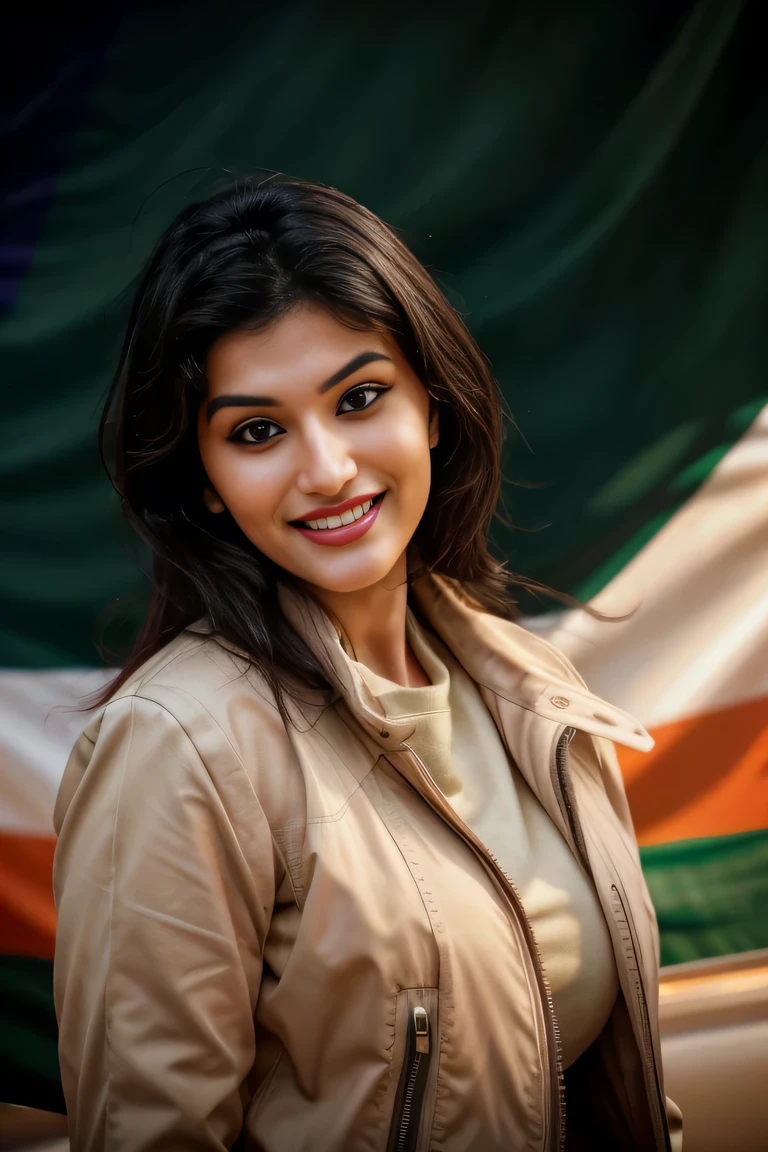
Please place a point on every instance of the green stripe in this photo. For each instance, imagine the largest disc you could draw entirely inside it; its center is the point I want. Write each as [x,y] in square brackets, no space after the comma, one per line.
[710,895]
[609,248]
[29,1063]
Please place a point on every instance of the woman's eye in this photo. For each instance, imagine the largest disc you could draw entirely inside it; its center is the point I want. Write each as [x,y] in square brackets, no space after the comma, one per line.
[361,398]
[257,432]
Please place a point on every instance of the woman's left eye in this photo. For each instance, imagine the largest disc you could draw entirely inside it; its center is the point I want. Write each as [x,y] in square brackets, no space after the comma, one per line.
[360,398]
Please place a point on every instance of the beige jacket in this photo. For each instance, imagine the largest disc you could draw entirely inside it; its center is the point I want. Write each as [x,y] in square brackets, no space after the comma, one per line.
[288,939]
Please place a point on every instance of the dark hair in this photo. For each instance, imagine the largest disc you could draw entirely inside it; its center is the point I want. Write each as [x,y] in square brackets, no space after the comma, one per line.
[243,259]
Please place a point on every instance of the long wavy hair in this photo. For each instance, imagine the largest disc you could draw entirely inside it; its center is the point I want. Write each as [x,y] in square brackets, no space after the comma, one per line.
[241,260]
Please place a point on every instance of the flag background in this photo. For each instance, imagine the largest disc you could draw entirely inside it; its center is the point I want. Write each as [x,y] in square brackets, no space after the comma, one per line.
[588,183]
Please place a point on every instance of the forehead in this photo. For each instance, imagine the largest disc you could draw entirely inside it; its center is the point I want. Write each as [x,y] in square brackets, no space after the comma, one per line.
[300,350]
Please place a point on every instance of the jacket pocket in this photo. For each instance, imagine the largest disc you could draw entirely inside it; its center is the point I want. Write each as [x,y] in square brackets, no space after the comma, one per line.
[417,1049]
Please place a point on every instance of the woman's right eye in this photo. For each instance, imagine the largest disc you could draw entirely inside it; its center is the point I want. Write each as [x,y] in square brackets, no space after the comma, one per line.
[256,432]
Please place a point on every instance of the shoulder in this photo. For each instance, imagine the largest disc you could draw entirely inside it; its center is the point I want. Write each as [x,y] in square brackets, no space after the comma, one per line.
[207,700]
[194,716]
[196,678]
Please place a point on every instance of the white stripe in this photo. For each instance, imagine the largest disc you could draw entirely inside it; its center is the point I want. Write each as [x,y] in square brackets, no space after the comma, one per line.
[37,730]
[697,642]
[699,637]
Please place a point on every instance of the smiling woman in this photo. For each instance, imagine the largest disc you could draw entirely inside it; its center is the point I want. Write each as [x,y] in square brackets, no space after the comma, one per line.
[282,342]
[344,856]
[340,401]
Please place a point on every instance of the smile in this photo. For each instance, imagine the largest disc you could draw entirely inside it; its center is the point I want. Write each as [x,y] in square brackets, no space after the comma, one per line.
[343,529]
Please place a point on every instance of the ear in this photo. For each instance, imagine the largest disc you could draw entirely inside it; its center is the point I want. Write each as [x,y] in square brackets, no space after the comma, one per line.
[434,429]
[212,501]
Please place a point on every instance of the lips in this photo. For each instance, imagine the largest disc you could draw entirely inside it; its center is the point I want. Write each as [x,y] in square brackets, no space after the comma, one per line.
[344,533]
[337,510]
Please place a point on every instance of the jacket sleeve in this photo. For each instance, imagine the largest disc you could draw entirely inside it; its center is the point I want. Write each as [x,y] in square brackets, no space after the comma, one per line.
[164,885]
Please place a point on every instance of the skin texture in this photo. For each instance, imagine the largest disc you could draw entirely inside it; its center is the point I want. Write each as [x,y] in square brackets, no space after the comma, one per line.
[321,450]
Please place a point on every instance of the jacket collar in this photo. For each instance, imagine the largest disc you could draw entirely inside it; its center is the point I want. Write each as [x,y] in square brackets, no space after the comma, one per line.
[522,668]
[517,666]
[308,619]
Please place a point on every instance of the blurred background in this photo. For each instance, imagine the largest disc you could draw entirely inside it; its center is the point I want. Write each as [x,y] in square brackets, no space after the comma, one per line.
[588,182]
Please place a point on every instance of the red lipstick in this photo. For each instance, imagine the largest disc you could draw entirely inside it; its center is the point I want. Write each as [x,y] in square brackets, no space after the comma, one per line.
[334,537]
[337,509]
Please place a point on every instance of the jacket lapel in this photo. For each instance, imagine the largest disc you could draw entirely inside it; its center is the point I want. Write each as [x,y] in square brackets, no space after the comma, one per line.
[531,690]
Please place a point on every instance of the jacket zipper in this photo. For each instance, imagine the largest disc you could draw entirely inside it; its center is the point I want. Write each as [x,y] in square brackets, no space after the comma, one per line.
[658,1114]
[412,1086]
[510,891]
[658,1110]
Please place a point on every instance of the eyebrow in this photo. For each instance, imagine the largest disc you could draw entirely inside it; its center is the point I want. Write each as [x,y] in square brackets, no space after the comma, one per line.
[354,365]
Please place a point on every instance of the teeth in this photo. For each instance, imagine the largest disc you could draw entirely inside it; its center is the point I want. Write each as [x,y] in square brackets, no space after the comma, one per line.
[347,517]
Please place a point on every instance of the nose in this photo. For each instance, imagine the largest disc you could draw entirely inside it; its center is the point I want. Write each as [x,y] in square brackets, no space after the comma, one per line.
[326,463]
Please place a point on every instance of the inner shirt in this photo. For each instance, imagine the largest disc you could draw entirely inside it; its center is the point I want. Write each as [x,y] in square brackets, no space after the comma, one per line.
[456,738]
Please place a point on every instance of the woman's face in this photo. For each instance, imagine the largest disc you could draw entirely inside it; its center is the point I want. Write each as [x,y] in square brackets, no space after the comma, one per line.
[316,438]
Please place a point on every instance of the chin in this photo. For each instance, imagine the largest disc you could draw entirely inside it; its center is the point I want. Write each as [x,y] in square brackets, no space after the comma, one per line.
[351,574]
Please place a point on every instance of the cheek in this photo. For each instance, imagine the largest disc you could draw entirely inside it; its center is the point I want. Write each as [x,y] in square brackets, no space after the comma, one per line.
[414,462]
[402,441]
[249,488]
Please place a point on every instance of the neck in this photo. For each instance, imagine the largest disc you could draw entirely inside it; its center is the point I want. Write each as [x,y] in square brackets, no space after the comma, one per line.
[373,622]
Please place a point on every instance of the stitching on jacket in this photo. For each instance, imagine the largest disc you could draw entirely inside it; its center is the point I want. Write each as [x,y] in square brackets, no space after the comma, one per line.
[201,705]
[227,741]
[397,827]
[329,743]
[334,816]
[164,665]
[127,745]
[107,980]
[217,654]
[290,859]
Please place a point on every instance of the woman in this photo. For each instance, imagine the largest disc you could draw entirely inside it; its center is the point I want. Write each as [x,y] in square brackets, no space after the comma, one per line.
[344,857]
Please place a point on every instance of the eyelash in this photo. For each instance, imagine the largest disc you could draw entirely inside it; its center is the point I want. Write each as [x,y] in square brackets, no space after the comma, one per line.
[359,389]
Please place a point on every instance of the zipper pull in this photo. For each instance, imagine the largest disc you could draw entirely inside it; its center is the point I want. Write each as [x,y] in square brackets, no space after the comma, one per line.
[421,1024]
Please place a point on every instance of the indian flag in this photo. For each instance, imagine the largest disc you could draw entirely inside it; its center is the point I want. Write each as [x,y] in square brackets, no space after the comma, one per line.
[605,238]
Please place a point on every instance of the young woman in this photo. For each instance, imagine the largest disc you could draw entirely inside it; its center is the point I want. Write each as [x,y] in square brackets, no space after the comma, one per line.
[345,861]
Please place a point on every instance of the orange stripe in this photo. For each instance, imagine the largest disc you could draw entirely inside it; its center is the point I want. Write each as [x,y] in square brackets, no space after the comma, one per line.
[27,912]
[707,776]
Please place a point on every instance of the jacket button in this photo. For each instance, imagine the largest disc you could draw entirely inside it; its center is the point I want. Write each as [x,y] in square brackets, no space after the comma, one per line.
[560,701]
[383,733]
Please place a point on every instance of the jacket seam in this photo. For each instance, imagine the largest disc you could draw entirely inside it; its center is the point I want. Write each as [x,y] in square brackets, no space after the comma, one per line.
[166,664]
[334,816]
[200,704]
[398,818]
[227,741]
[220,731]
[401,716]
[214,651]
[287,872]
[113,878]
[113,884]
